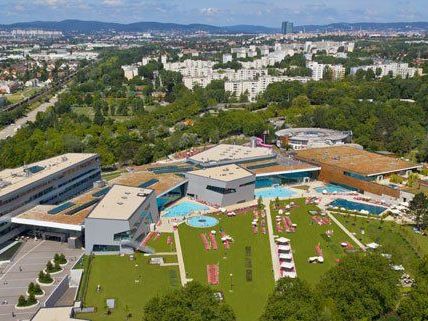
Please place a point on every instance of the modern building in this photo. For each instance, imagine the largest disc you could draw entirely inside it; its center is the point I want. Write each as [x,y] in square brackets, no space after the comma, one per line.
[302,138]
[50,181]
[358,169]
[287,27]
[222,185]
[224,154]
[121,220]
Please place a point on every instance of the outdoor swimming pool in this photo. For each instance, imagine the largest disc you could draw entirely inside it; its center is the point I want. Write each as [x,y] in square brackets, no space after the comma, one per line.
[333,188]
[183,209]
[273,192]
[350,205]
[202,221]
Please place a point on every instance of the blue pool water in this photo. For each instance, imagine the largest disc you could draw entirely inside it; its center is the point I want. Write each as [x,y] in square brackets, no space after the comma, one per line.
[183,209]
[273,192]
[331,188]
[350,205]
[202,221]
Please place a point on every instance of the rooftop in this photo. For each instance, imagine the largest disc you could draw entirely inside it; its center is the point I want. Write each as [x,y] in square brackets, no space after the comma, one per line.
[231,153]
[54,314]
[70,214]
[160,183]
[355,160]
[313,134]
[120,203]
[13,179]
[225,173]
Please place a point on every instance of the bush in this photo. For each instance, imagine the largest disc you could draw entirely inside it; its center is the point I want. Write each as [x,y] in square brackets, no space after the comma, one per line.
[31,299]
[45,277]
[396,179]
[22,302]
[51,268]
[60,258]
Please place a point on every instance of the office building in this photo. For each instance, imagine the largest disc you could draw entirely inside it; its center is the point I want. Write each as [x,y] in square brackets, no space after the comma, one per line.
[287,27]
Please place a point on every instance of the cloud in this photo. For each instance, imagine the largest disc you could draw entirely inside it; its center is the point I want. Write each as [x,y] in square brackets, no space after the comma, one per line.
[112,3]
[50,3]
[210,11]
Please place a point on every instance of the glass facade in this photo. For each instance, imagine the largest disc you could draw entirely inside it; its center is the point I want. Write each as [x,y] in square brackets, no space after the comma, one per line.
[283,179]
[171,196]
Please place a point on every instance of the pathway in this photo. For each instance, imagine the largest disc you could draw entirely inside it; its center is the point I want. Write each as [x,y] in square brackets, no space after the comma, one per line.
[10,130]
[344,229]
[274,255]
[181,268]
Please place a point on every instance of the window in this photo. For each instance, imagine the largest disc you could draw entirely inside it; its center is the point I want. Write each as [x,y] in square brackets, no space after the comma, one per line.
[247,184]
[221,190]
[122,236]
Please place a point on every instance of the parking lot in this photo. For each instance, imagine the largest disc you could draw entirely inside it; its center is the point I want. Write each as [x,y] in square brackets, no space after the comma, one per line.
[24,268]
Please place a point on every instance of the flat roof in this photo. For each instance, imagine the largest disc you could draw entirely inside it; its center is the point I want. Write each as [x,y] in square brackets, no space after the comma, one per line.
[39,215]
[16,178]
[160,182]
[54,314]
[224,173]
[229,153]
[313,134]
[355,160]
[120,203]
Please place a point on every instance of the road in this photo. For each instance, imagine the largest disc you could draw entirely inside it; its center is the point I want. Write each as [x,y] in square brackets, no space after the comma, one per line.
[10,130]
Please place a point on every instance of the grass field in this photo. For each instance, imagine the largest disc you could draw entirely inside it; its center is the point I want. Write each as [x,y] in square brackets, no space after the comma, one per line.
[108,176]
[248,297]
[117,277]
[405,246]
[307,235]
[160,243]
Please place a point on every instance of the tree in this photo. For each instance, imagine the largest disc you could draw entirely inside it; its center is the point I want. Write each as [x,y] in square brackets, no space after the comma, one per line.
[292,299]
[419,208]
[361,287]
[193,302]
[328,73]
[31,299]
[22,302]
[98,117]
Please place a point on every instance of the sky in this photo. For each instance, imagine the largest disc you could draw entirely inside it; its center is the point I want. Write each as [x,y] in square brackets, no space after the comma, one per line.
[217,12]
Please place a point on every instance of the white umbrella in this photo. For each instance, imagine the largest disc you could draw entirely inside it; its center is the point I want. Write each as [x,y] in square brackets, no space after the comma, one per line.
[213,232]
[222,209]
[281,212]
[285,256]
[284,248]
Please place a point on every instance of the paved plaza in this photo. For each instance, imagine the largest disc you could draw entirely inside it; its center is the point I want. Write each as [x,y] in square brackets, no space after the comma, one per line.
[24,268]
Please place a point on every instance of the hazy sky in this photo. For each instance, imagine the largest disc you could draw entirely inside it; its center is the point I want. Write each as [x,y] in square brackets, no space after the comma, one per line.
[218,12]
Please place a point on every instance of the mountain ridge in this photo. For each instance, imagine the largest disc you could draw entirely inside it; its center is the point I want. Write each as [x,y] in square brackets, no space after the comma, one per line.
[74,25]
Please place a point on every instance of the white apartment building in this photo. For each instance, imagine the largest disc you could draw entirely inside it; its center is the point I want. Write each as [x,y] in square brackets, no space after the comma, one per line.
[396,68]
[255,87]
[318,70]
[130,71]
[227,58]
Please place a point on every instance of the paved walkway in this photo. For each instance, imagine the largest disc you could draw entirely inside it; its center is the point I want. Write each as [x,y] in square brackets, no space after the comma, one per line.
[274,254]
[344,229]
[181,268]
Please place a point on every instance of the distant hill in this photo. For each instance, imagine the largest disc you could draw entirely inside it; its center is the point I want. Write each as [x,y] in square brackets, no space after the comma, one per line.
[79,26]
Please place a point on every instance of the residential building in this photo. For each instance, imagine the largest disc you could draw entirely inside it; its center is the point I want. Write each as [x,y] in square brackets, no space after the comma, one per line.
[130,71]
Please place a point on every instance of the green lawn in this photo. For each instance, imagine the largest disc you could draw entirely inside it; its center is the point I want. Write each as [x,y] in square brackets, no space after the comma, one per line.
[405,246]
[248,297]
[21,95]
[108,176]
[160,243]
[117,276]
[307,235]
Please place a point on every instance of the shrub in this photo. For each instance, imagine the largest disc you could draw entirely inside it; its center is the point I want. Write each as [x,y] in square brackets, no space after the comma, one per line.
[394,178]
[62,259]
[31,299]
[50,268]
[37,289]
[22,302]
[45,277]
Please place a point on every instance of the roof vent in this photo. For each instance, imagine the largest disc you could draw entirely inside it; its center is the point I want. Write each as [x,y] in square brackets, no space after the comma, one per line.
[119,203]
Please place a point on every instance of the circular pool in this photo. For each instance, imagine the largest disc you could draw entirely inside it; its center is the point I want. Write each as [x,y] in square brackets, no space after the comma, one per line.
[202,221]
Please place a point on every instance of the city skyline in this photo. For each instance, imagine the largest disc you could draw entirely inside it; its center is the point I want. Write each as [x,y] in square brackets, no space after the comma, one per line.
[255,12]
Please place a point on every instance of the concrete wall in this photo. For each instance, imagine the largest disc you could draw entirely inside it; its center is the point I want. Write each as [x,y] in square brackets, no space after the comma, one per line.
[198,188]
[57,293]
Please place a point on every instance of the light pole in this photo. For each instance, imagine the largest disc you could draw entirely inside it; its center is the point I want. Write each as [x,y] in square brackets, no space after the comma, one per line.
[231,282]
